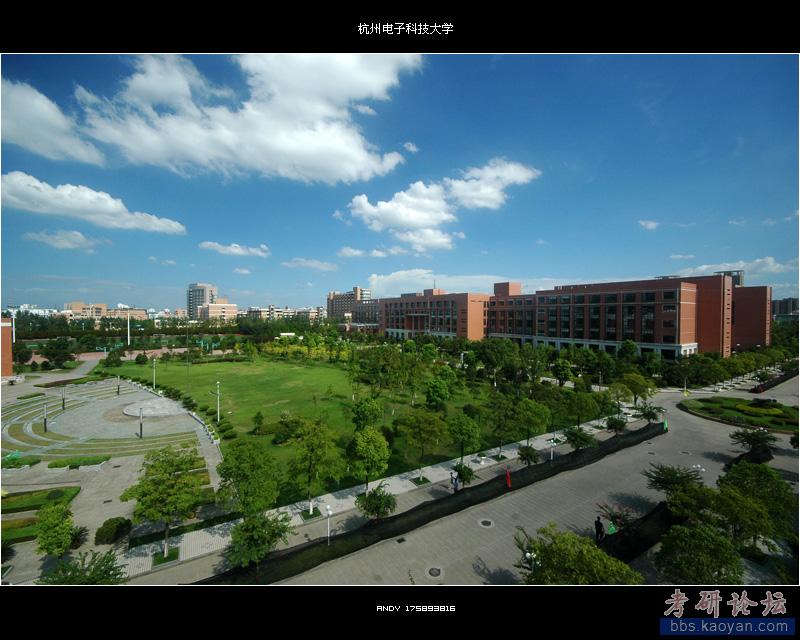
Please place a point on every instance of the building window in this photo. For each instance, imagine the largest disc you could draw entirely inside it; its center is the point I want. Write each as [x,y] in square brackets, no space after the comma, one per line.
[594,298]
[541,299]
[649,296]
[669,308]
[668,339]
[552,299]
[628,322]
[564,299]
[648,324]
[668,324]
[669,295]
[629,297]
[579,299]
[611,298]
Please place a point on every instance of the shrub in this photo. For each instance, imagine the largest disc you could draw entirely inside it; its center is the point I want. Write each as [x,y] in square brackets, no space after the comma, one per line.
[528,455]
[112,530]
[79,535]
[203,409]
[758,411]
[465,473]
[46,366]
[78,461]
[229,435]
[16,463]
[141,359]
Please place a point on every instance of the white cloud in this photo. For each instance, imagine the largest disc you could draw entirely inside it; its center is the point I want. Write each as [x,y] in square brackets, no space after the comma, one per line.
[34,122]
[21,191]
[338,215]
[378,253]
[540,241]
[484,187]
[738,222]
[686,225]
[396,251]
[365,109]
[152,258]
[650,225]
[680,256]
[770,222]
[169,263]
[760,266]
[411,147]
[295,121]
[349,252]
[242,272]
[261,251]
[416,214]
[66,240]
[308,263]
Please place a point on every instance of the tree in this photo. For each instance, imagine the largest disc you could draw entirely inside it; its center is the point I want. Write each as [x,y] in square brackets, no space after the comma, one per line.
[113,359]
[317,458]
[616,424]
[639,386]
[166,491]
[578,438]
[762,483]
[534,417]
[670,479]
[754,439]
[258,421]
[376,504]
[743,518]
[371,454]
[562,371]
[699,555]
[255,536]
[562,557]
[465,432]
[366,413]
[54,529]
[621,394]
[58,352]
[21,353]
[101,568]
[423,432]
[649,412]
[505,424]
[249,477]
[582,405]
[528,455]
[436,393]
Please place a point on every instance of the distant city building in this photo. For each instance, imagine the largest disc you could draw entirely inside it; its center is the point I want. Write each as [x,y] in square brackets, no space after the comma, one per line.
[784,307]
[125,312]
[81,310]
[32,309]
[197,295]
[342,303]
[215,312]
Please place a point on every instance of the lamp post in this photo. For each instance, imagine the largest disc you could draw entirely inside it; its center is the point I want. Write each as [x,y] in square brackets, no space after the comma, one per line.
[154,372]
[330,513]
[117,385]
[141,420]
[63,398]
[45,415]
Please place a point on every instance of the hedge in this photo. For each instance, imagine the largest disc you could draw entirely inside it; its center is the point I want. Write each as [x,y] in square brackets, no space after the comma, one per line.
[33,500]
[78,461]
[758,411]
[30,395]
[112,530]
[21,462]
[285,563]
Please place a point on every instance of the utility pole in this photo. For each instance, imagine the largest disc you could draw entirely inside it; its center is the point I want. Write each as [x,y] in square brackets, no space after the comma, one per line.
[63,398]
[45,415]
[141,419]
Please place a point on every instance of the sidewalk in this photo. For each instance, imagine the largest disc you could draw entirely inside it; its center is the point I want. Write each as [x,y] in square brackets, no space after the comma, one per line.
[202,552]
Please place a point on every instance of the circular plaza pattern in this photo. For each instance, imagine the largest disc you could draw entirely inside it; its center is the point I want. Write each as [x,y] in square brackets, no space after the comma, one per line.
[155,408]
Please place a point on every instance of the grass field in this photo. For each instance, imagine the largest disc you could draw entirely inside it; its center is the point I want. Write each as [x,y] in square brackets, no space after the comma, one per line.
[740,410]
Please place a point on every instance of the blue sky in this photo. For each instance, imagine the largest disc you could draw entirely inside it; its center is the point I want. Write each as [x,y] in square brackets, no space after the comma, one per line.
[279,178]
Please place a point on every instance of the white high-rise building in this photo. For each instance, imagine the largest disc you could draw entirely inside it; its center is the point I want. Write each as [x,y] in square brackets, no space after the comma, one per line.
[197,295]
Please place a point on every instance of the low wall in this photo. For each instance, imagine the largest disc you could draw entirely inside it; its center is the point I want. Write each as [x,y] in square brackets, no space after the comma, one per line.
[285,563]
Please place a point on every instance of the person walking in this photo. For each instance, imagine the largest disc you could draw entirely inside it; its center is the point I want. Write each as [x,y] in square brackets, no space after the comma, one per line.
[599,531]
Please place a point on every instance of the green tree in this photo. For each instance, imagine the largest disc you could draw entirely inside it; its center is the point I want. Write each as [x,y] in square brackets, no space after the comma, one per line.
[166,491]
[505,425]
[465,432]
[436,393]
[639,386]
[58,352]
[423,432]
[627,351]
[249,477]
[699,555]
[562,371]
[649,412]
[113,359]
[258,421]
[528,455]
[533,417]
[562,557]
[621,394]
[21,353]
[366,413]
[669,479]
[255,536]
[616,424]
[141,359]
[742,517]
[577,438]
[54,529]
[371,454]
[101,568]
[376,504]
[754,439]
[764,484]
[582,406]
[317,458]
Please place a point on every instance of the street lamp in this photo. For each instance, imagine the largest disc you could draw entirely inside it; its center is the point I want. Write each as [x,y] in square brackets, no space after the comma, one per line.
[154,373]
[330,513]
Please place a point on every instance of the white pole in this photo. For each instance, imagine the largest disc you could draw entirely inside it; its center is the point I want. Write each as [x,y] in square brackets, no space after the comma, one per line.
[217,401]
[13,327]
[129,329]
[154,373]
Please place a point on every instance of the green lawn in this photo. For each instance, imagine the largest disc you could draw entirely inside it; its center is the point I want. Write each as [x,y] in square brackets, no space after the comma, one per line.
[34,500]
[735,410]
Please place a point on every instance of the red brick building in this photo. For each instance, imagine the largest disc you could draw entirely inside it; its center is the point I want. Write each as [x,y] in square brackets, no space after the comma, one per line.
[6,358]
[671,316]
[435,312]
